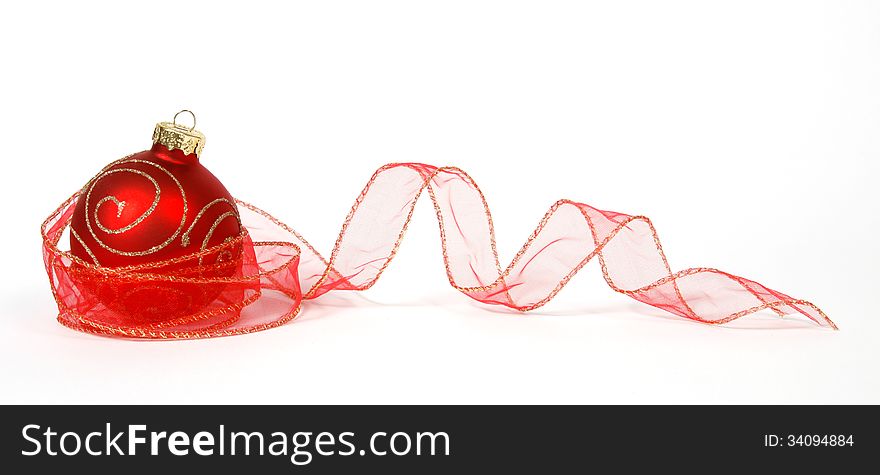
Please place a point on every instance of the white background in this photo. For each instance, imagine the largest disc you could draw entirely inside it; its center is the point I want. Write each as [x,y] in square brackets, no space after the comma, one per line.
[749,132]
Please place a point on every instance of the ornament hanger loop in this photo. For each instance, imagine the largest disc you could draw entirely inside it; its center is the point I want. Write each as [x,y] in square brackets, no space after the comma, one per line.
[174,121]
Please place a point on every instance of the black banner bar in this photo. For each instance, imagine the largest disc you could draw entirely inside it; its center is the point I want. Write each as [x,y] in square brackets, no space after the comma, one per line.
[429,439]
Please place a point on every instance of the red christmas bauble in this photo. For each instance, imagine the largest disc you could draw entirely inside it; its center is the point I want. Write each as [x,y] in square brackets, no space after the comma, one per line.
[150,207]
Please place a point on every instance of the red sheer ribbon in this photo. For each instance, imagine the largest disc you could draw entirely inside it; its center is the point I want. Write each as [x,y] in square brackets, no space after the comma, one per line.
[279,269]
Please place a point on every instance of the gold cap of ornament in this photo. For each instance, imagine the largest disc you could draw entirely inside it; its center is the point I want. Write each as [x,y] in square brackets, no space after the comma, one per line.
[176,136]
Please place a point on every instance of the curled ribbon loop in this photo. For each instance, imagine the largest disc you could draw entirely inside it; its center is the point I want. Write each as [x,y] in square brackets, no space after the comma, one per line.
[278,268]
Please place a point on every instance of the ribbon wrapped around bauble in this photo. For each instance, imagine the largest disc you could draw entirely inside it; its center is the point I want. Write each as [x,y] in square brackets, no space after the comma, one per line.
[160,249]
